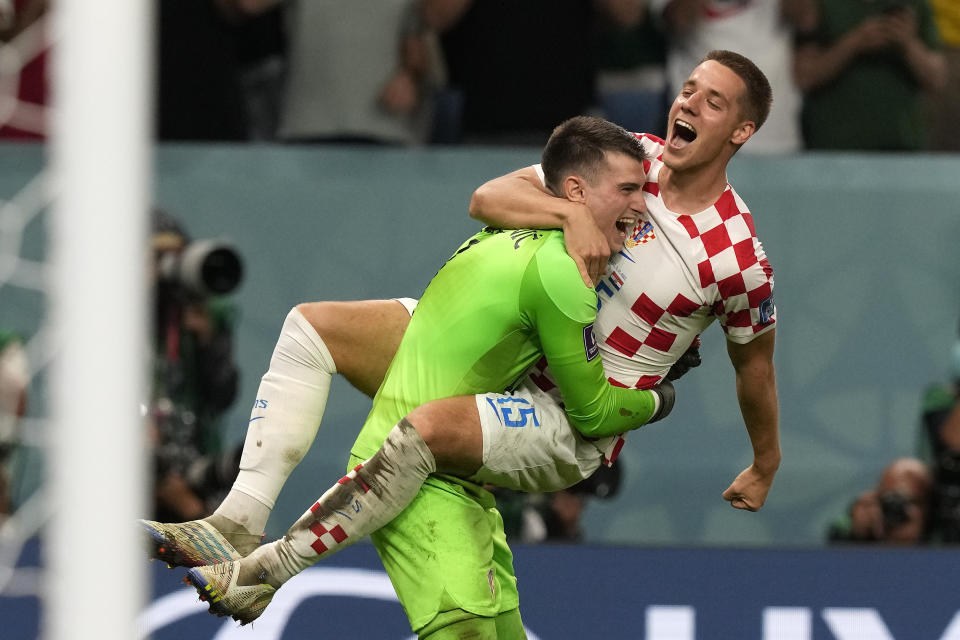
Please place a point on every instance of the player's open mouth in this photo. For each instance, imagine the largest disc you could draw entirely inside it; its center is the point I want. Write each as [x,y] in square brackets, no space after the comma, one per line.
[625,223]
[683,134]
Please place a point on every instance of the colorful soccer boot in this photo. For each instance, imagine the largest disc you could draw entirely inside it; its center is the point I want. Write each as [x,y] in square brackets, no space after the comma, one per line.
[189,544]
[217,585]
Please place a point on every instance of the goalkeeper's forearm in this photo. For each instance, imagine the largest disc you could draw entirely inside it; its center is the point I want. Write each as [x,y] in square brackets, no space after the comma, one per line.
[631,412]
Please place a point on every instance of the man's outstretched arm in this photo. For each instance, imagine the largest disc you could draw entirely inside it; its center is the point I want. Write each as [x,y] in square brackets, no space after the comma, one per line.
[757,395]
[519,200]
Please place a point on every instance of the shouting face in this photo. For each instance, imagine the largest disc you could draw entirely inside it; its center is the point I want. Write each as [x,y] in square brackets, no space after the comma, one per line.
[615,197]
[706,120]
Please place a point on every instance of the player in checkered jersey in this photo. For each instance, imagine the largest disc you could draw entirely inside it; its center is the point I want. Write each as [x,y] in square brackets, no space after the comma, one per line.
[692,258]
[358,339]
[427,447]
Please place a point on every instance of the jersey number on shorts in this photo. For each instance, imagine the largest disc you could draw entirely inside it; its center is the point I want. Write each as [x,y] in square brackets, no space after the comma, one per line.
[522,413]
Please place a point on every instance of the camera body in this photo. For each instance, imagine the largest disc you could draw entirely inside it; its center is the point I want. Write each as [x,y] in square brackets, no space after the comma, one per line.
[893,505]
[176,434]
[203,268]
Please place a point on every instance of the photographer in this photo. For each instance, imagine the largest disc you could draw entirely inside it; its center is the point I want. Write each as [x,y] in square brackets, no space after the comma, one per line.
[941,424]
[916,502]
[896,512]
[194,375]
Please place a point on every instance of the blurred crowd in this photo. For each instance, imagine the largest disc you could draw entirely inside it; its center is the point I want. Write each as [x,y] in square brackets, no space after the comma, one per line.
[876,75]
[847,74]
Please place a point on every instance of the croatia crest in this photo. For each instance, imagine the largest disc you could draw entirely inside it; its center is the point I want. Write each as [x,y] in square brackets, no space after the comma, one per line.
[642,233]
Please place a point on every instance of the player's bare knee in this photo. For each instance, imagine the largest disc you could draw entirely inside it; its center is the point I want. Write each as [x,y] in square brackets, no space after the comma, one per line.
[319,315]
[451,433]
[430,429]
[362,336]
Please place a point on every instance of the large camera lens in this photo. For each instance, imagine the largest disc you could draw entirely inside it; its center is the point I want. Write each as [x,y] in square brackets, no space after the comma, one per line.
[210,267]
[221,270]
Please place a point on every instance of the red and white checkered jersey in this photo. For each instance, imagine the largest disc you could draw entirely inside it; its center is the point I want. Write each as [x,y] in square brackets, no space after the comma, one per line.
[678,273]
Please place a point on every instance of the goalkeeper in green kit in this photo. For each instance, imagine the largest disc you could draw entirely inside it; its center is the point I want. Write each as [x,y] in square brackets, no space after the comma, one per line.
[436,434]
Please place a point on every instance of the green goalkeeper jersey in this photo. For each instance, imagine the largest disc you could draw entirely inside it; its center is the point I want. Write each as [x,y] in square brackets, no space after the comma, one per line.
[502,301]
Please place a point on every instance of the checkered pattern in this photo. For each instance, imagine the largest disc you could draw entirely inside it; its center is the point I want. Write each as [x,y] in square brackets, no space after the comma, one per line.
[328,538]
[676,275]
[729,241]
[332,536]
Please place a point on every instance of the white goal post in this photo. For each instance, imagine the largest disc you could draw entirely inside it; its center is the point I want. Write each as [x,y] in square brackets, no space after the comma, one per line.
[100,159]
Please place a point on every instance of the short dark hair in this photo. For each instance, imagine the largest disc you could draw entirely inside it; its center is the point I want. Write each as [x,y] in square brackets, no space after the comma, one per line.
[579,145]
[755,103]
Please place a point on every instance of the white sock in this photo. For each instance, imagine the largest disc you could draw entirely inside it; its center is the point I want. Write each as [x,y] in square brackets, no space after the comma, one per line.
[360,503]
[283,423]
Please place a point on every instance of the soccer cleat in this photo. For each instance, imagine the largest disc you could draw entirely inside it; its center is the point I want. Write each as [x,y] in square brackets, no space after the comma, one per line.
[217,585]
[187,544]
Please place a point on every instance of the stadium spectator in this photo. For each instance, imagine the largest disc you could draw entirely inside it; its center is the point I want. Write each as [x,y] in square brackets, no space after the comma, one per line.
[630,50]
[199,95]
[941,427]
[762,30]
[14,380]
[355,72]
[204,52]
[490,46]
[896,511]
[945,103]
[874,63]
[23,25]
[194,382]
[202,55]
[916,502]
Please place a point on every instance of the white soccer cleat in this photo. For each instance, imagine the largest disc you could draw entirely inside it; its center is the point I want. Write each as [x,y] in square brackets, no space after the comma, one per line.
[217,585]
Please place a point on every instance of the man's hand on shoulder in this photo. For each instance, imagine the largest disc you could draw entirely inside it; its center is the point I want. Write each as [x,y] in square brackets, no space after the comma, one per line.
[586,245]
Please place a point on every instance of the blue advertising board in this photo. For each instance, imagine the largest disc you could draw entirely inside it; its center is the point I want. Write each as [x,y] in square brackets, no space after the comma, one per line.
[592,592]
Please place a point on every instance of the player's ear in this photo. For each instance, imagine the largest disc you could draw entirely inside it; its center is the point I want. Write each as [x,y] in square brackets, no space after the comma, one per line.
[743,132]
[573,188]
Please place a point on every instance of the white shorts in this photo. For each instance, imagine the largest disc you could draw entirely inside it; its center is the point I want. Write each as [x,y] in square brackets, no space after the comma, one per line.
[408,303]
[529,445]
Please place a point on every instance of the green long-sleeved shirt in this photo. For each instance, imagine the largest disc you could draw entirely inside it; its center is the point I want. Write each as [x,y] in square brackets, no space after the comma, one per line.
[503,301]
